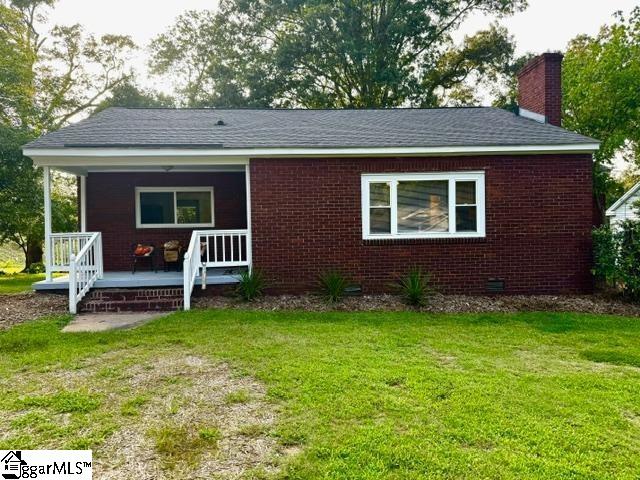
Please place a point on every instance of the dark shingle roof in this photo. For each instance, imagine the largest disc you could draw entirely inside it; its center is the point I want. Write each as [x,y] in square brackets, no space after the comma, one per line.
[254,128]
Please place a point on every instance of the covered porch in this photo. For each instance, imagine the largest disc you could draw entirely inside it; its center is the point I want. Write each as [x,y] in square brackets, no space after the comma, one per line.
[214,276]
[204,207]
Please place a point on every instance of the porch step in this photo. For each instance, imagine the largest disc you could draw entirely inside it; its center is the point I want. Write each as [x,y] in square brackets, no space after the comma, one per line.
[132,300]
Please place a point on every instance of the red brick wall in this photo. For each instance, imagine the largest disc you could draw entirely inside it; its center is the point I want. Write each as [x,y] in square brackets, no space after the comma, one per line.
[540,87]
[306,218]
[111,209]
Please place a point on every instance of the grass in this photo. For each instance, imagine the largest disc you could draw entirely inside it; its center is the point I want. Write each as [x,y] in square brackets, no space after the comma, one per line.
[18,282]
[239,396]
[12,264]
[367,395]
[182,444]
[11,258]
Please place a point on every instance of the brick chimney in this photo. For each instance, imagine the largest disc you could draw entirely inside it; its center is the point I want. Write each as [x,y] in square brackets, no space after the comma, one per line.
[540,89]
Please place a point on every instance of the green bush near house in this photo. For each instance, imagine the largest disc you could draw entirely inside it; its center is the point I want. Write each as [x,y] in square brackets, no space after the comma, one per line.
[617,257]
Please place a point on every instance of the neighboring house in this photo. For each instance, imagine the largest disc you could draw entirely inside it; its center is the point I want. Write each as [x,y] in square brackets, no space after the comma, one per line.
[626,208]
[481,198]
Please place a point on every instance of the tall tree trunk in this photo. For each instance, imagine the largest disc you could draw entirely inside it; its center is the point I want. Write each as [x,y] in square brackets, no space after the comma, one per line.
[34,253]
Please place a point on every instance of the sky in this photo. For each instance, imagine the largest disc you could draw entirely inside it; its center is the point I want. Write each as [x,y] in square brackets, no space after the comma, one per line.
[545,25]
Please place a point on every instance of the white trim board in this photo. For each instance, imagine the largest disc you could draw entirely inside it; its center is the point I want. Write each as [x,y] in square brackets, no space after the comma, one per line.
[169,156]
[612,209]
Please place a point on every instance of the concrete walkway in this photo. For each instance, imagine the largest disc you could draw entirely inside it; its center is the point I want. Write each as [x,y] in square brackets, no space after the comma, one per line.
[100,322]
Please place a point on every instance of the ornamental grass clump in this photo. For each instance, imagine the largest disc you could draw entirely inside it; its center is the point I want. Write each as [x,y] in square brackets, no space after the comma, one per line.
[332,286]
[251,285]
[414,288]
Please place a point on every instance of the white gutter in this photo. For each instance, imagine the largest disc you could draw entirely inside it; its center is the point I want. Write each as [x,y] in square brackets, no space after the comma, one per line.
[123,156]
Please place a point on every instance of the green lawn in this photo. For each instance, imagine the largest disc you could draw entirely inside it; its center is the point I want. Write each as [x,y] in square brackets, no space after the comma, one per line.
[18,282]
[367,395]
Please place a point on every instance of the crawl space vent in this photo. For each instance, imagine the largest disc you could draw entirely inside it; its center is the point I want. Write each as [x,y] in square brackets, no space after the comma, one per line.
[495,285]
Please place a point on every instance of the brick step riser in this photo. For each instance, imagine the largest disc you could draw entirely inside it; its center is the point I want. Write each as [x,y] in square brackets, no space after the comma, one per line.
[131,306]
[134,294]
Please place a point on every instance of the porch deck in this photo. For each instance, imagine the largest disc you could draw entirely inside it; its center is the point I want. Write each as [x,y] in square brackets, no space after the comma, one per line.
[215,276]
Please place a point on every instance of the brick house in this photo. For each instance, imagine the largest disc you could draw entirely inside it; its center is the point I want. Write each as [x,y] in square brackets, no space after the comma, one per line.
[482,198]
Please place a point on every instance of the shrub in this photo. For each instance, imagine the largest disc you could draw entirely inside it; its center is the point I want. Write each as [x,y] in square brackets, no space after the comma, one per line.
[628,263]
[617,257]
[251,286]
[332,286]
[414,287]
[35,268]
[605,252]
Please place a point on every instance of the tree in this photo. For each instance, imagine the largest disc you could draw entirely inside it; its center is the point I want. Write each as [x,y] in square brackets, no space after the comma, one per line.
[130,95]
[207,69]
[320,53]
[21,198]
[46,80]
[602,94]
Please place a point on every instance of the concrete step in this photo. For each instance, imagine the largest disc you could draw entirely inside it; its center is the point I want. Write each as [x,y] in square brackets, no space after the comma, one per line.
[133,300]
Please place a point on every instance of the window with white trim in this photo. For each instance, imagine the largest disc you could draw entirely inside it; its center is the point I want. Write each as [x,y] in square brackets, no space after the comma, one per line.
[174,207]
[423,205]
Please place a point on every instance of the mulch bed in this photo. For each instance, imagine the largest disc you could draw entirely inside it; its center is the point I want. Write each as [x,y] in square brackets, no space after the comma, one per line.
[438,303]
[20,307]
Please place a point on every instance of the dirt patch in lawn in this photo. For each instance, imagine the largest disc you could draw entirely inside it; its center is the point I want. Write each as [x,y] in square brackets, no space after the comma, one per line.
[206,423]
[437,304]
[21,307]
[166,414]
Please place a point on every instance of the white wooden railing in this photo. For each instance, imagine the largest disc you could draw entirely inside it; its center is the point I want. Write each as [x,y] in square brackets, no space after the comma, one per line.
[210,249]
[85,268]
[62,246]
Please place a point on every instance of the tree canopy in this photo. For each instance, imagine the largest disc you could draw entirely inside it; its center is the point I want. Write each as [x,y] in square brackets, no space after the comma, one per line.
[47,79]
[601,82]
[319,53]
[128,94]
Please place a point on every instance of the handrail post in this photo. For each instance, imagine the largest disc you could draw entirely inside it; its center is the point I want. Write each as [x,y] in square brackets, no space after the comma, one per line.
[186,270]
[99,260]
[72,285]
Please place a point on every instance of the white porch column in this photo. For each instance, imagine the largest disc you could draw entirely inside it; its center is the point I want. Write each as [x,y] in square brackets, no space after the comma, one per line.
[47,223]
[247,181]
[83,204]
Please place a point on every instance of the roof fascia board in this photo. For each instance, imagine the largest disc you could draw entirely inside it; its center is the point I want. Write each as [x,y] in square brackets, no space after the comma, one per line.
[87,156]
